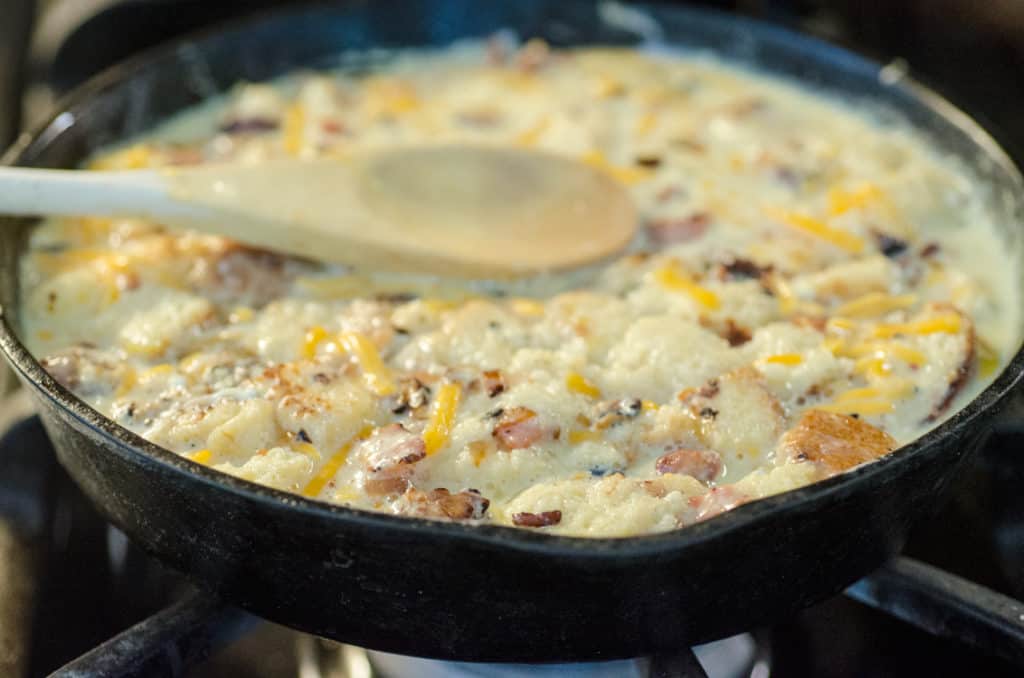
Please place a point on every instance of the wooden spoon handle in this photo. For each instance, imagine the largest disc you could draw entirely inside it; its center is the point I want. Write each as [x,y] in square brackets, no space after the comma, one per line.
[36,192]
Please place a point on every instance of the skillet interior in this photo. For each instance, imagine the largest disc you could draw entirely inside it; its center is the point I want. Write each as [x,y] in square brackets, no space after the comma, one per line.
[486,593]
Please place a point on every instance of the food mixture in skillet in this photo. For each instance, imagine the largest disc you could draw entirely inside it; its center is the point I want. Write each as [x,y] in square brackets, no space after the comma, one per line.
[810,292]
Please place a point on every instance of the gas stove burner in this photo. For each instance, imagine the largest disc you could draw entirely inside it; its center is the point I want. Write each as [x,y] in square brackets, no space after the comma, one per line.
[734,657]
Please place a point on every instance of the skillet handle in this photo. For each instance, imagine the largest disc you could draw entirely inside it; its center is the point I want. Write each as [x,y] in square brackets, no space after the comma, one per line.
[947,606]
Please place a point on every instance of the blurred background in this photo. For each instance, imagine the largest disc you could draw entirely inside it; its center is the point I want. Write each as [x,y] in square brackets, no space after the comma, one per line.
[971,50]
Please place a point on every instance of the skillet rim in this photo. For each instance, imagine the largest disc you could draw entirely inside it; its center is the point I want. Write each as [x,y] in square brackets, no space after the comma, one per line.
[137,450]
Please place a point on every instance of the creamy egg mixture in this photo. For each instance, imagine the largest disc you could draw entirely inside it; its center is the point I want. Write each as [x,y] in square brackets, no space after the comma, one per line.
[812,289]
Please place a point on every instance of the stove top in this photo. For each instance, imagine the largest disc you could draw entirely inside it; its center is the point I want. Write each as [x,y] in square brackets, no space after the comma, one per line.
[69,582]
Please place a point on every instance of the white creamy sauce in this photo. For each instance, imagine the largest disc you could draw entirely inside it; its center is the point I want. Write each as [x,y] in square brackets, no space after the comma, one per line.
[812,288]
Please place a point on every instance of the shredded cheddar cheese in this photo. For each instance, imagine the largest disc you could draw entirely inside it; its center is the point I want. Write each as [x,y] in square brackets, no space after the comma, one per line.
[310,342]
[376,375]
[294,129]
[875,304]
[841,201]
[531,135]
[527,307]
[307,449]
[316,485]
[819,229]
[200,456]
[948,323]
[577,436]
[671,277]
[577,383]
[789,359]
[625,174]
[442,417]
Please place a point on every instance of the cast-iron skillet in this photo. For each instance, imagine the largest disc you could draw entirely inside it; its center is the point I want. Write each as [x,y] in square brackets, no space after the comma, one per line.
[489,593]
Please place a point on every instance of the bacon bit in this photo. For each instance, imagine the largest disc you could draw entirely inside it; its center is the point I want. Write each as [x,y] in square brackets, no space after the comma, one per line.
[930,250]
[517,428]
[440,503]
[493,383]
[413,395]
[533,56]
[736,335]
[704,465]
[673,231]
[961,375]
[393,453]
[395,447]
[834,441]
[543,519]
[332,127]
[819,324]
[709,390]
[741,269]
[614,412]
[889,246]
[241,274]
[385,485]
[718,500]
[249,126]
[655,488]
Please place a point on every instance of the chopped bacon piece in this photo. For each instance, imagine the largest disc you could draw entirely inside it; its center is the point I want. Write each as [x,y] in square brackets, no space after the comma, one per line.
[704,465]
[332,126]
[741,269]
[84,369]
[889,246]
[736,335]
[543,519]
[672,231]
[249,126]
[613,412]
[718,500]
[493,382]
[440,503]
[390,457]
[413,396]
[835,442]
[959,377]
[517,427]
[245,274]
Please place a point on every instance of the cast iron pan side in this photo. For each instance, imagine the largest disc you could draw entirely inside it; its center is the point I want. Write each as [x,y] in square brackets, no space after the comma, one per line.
[485,593]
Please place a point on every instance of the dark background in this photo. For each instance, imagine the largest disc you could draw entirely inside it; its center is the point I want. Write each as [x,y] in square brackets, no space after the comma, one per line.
[972,50]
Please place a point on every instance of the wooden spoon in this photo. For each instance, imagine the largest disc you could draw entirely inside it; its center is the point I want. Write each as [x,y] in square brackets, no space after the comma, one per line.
[455,210]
